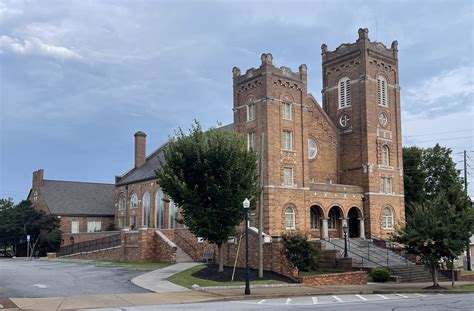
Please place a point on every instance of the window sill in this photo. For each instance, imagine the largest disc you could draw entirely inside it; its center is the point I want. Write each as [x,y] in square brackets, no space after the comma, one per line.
[340,108]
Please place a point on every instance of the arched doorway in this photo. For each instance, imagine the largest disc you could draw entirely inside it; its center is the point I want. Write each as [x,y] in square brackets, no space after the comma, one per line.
[353,222]
[316,221]
[335,222]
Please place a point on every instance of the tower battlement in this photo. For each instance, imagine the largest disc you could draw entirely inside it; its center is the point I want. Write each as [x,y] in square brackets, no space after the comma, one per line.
[363,43]
[267,68]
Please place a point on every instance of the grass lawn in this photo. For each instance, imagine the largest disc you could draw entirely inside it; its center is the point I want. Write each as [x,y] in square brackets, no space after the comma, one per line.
[146,266]
[467,272]
[186,279]
[463,288]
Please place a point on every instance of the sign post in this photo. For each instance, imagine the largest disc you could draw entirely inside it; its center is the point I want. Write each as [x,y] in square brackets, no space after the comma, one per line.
[28,237]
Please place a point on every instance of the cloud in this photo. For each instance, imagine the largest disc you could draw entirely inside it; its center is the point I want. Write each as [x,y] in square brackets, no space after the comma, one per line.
[447,92]
[35,46]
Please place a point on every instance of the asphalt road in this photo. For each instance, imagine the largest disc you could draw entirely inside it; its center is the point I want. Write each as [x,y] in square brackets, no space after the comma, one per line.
[372,302]
[36,278]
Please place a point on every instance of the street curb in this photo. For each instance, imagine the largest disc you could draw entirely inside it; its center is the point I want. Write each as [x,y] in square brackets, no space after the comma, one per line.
[204,288]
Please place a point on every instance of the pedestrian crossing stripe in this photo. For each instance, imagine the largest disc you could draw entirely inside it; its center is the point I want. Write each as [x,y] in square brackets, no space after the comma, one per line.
[361,297]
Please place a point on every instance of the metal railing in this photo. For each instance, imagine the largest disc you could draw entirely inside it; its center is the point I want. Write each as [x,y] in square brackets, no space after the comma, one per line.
[92,245]
[374,255]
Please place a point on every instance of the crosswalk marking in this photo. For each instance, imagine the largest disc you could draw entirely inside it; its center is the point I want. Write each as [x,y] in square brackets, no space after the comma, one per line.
[288,300]
[361,297]
[315,300]
[403,296]
[382,296]
[421,295]
[337,298]
[261,301]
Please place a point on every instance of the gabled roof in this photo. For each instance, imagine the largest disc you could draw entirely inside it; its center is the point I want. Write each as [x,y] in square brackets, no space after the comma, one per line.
[146,171]
[78,198]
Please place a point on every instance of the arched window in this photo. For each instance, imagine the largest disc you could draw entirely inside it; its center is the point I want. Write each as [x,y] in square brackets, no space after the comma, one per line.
[159,209]
[332,219]
[134,200]
[312,148]
[387,218]
[382,91]
[289,218]
[35,196]
[146,209]
[344,88]
[172,210]
[122,202]
[385,155]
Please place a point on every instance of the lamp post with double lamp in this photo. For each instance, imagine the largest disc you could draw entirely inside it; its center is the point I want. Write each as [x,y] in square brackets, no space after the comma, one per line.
[246,204]
[345,229]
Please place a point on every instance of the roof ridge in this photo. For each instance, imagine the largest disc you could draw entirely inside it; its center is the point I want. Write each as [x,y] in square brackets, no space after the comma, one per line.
[79,182]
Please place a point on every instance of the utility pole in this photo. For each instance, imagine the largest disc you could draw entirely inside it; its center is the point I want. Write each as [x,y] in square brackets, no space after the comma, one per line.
[260,211]
[468,250]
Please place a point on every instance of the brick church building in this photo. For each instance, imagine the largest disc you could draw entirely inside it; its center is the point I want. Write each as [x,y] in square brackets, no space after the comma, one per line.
[325,166]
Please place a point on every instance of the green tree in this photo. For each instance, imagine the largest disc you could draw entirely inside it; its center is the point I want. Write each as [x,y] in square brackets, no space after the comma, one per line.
[18,221]
[429,172]
[437,230]
[208,175]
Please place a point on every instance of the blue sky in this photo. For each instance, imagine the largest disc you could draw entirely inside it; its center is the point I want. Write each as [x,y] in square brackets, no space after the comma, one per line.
[79,78]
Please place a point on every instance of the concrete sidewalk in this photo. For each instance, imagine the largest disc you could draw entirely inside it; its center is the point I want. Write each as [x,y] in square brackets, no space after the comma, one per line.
[156,281]
[189,296]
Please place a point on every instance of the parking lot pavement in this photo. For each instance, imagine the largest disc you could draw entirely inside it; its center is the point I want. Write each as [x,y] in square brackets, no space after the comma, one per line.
[37,278]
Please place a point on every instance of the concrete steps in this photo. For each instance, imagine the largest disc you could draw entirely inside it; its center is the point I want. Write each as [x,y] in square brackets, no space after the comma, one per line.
[367,254]
[181,256]
[415,273]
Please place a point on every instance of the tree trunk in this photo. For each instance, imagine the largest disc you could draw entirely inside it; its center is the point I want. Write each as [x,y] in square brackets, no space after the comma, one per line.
[221,258]
[452,272]
[434,274]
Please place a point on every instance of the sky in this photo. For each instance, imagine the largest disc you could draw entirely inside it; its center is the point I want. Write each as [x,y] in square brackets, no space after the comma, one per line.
[79,78]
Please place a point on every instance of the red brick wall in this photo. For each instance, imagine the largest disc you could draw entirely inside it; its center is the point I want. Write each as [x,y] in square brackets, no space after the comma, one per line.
[344,278]
[86,236]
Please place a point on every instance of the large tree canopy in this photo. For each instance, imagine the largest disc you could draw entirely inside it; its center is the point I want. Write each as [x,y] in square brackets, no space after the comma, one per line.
[209,174]
[18,221]
[437,230]
[439,220]
[429,172]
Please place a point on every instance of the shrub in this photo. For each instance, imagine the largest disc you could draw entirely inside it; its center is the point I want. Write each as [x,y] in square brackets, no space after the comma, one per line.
[299,251]
[380,275]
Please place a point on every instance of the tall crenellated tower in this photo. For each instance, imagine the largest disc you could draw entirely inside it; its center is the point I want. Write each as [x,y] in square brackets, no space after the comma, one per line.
[361,95]
[269,103]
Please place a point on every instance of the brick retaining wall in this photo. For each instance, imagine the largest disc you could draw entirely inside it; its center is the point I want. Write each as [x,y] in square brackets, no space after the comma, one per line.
[344,278]
[68,238]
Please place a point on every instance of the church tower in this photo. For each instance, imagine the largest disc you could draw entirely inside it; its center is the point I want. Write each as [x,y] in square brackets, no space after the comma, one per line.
[361,95]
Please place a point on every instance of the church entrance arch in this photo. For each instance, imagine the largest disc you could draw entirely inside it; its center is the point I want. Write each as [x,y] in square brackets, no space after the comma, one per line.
[335,222]
[354,223]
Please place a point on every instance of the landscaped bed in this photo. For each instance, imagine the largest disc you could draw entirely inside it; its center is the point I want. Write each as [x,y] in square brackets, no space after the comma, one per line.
[207,275]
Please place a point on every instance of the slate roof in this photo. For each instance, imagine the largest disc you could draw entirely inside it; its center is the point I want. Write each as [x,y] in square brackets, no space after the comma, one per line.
[78,198]
[146,171]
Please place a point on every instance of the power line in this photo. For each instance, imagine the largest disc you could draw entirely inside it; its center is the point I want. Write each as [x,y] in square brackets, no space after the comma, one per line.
[436,133]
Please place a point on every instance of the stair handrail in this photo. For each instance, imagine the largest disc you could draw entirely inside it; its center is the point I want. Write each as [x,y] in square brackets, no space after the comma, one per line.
[356,253]
[400,252]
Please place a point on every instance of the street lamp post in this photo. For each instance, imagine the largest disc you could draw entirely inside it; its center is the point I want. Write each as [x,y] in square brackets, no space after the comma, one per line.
[246,204]
[345,229]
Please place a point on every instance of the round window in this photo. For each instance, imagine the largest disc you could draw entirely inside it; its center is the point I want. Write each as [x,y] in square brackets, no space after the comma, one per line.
[312,148]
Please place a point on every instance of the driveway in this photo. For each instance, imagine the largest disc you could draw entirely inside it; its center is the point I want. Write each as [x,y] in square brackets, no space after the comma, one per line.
[38,278]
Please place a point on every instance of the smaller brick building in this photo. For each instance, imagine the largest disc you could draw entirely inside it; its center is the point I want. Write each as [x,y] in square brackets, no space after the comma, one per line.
[81,206]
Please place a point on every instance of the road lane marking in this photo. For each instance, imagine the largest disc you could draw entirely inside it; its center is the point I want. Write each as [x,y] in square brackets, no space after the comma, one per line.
[315,300]
[261,301]
[337,298]
[421,295]
[382,296]
[288,300]
[361,297]
[403,296]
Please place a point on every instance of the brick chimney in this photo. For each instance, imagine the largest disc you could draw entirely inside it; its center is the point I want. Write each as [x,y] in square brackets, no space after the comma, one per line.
[38,178]
[140,148]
